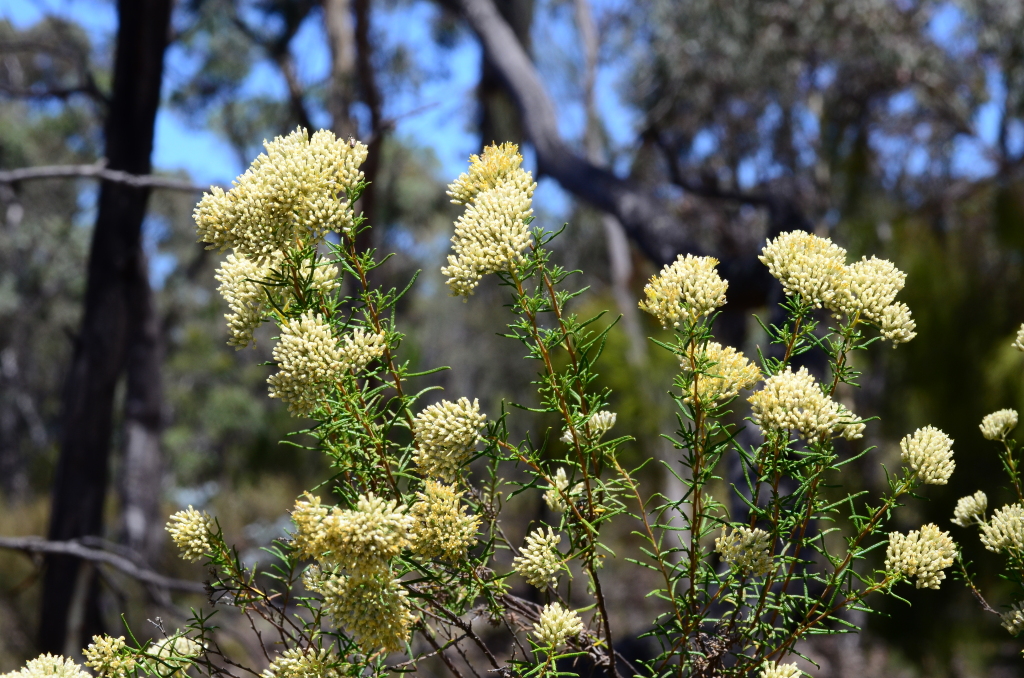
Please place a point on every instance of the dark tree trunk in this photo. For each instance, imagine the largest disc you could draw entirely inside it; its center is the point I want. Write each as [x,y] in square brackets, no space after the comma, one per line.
[117,294]
[499,117]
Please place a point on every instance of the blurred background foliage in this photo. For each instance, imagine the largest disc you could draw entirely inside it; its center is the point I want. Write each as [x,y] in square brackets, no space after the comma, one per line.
[896,128]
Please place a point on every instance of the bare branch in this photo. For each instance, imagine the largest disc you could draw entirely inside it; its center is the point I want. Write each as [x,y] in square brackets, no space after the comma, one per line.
[118,562]
[97,171]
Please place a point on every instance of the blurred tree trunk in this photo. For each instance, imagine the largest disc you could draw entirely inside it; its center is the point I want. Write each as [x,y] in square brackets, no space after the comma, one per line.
[341,38]
[116,301]
[499,117]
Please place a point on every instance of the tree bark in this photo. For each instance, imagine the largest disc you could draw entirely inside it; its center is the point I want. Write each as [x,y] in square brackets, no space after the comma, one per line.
[341,38]
[116,290]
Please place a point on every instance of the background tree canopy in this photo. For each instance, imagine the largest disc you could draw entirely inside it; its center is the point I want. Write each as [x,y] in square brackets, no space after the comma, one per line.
[656,127]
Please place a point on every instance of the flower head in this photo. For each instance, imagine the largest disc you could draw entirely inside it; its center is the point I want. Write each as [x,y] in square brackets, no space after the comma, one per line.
[171,656]
[445,435]
[294,194]
[685,290]
[556,625]
[499,165]
[374,609]
[1005,530]
[1019,341]
[595,428]
[897,325]
[867,287]
[442,528]
[749,551]
[929,452]
[540,559]
[49,666]
[777,670]
[308,361]
[307,662]
[793,401]
[997,426]
[722,372]
[923,554]
[553,496]
[812,267]
[108,657]
[363,539]
[970,509]
[310,527]
[1013,619]
[190,531]
[360,347]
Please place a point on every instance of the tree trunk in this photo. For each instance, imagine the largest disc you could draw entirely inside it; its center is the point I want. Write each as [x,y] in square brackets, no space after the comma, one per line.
[499,118]
[117,293]
[341,38]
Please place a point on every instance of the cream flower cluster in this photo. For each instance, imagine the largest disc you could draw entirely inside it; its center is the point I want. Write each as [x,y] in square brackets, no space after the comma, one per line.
[749,551]
[595,428]
[1005,529]
[442,528]
[246,287]
[722,372]
[793,401]
[107,656]
[923,554]
[686,290]
[970,509]
[777,670]
[556,625]
[997,426]
[190,531]
[375,609]
[815,268]
[361,347]
[929,452]
[171,656]
[1013,619]
[553,496]
[445,435]
[308,359]
[294,194]
[492,233]
[49,666]
[540,559]
[305,663]
[1019,341]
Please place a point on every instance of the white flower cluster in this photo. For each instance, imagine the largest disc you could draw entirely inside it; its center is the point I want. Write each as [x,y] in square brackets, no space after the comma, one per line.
[171,656]
[749,551]
[308,359]
[190,531]
[445,435]
[374,609]
[1005,530]
[923,553]
[553,496]
[361,347]
[595,428]
[793,401]
[929,452]
[815,269]
[556,625]
[442,528]
[250,293]
[686,290]
[777,670]
[108,657]
[292,195]
[970,509]
[722,372]
[305,663]
[1019,341]
[1013,619]
[997,426]
[492,232]
[49,666]
[540,559]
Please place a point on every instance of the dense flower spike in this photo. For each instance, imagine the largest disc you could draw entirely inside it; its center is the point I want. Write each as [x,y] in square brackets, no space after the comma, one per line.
[190,531]
[896,324]
[923,554]
[1005,529]
[49,666]
[997,426]
[929,452]
[1019,341]
[556,625]
[722,372]
[493,231]
[540,559]
[445,435]
[108,657]
[685,290]
[595,428]
[554,494]
[374,609]
[793,401]
[305,663]
[807,265]
[1013,619]
[442,529]
[850,425]
[292,195]
[749,551]
[360,348]
[172,656]
[867,287]
[970,509]
[362,540]
[777,670]
[308,360]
